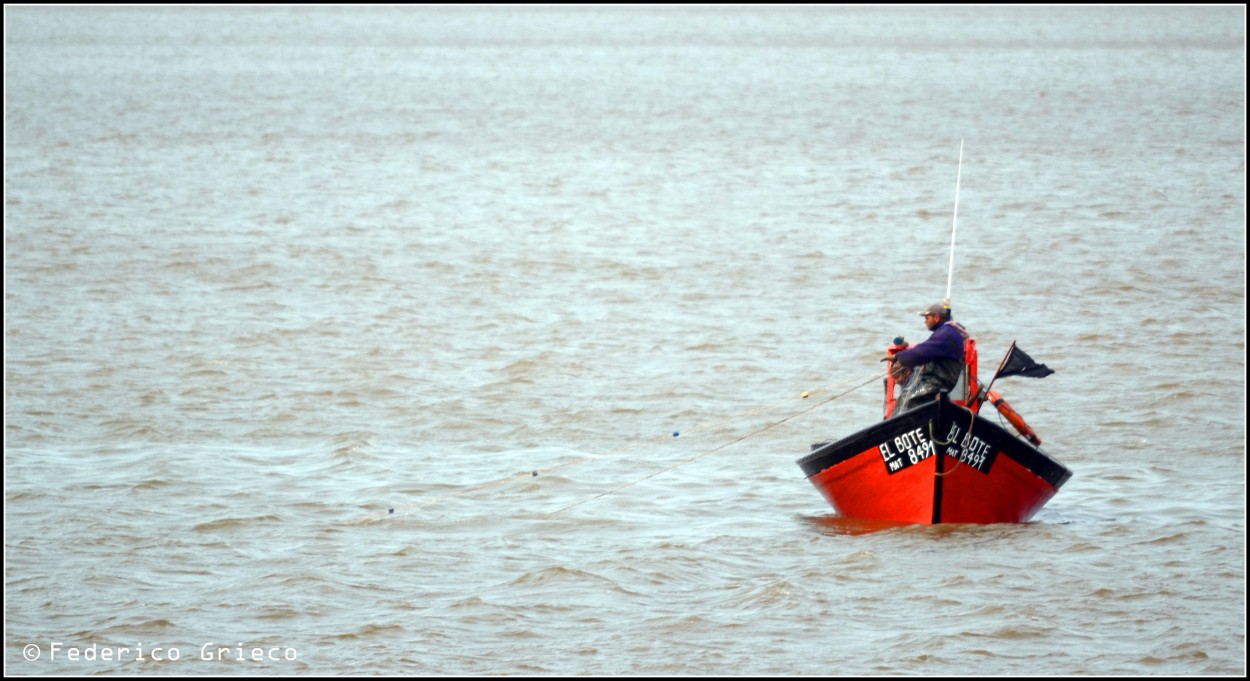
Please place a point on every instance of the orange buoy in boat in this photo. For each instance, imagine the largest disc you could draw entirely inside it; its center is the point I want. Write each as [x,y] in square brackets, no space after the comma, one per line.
[1013,418]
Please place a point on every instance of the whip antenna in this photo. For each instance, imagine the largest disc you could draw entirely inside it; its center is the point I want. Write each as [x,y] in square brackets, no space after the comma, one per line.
[950,270]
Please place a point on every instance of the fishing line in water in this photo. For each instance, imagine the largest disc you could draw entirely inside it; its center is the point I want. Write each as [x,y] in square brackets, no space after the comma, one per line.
[716,449]
[699,428]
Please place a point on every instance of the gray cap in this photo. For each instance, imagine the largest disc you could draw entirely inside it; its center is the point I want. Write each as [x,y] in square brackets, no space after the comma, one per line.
[936,308]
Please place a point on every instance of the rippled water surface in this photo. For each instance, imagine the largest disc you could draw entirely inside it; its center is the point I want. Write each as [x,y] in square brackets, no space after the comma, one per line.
[472,340]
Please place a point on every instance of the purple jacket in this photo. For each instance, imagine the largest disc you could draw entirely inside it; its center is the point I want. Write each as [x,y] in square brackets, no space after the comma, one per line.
[945,343]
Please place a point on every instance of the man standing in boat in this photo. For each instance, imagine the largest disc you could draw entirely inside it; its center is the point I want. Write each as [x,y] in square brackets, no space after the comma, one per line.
[936,364]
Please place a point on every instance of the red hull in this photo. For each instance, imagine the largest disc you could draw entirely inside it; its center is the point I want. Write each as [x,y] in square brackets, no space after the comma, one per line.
[925,467]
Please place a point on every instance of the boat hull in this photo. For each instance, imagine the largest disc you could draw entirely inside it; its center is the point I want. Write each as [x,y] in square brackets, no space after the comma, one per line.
[937,463]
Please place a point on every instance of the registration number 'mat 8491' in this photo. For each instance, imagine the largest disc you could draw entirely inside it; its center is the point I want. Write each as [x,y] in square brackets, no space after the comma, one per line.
[905,450]
[912,447]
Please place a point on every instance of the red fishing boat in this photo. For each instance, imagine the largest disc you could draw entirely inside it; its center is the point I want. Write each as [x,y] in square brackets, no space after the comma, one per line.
[941,462]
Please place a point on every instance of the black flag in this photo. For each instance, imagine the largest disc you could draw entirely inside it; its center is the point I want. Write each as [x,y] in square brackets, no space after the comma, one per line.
[1020,364]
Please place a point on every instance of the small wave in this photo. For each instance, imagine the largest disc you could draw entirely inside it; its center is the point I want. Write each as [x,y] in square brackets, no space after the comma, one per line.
[23,496]
[369,631]
[262,286]
[351,443]
[198,373]
[777,593]
[837,525]
[1020,633]
[1180,538]
[279,613]
[233,523]
[558,575]
[139,628]
[153,483]
[132,429]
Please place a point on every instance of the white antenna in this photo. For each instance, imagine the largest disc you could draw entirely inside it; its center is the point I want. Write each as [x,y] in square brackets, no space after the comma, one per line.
[950,270]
